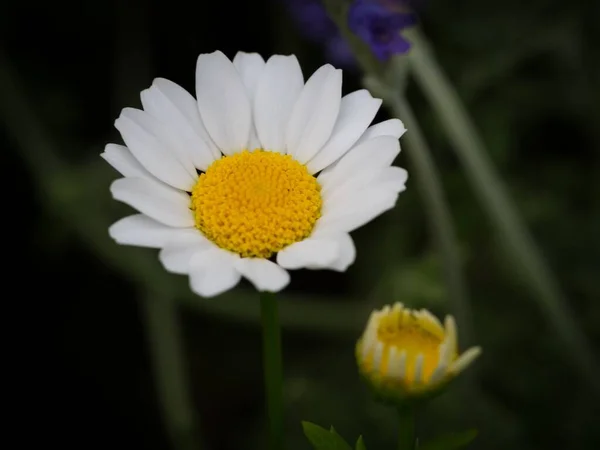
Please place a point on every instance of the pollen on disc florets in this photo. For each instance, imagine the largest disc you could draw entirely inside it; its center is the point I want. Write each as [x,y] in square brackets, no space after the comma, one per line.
[255,203]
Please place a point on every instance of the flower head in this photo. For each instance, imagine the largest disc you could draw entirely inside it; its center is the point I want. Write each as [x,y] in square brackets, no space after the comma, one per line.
[406,354]
[261,173]
[379,23]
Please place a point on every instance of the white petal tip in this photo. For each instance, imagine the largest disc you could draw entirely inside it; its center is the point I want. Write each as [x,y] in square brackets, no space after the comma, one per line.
[465,360]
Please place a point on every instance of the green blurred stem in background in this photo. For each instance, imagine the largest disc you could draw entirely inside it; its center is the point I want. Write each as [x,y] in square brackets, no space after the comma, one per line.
[428,181]
[271,332]
[495,200]
[168,359]
[406,428]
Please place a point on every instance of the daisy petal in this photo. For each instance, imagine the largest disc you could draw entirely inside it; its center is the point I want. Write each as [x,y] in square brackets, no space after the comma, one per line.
[347,250]
[250,67]
[451,340]
[373,154]
[142,231]
[169,103]
[391,127]
[393,178]
[311,253]
[353,212]
[314,114]
[224,105]
[464,360]
[178,251]
[139,136]
[188,105]
[164,130]
[212,272]
[357,110]
[124,162]
[155,200]
[276,94]
[347,253]
[263,274]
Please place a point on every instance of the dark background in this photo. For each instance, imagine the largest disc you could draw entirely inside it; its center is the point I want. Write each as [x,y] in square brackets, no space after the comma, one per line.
[529,75]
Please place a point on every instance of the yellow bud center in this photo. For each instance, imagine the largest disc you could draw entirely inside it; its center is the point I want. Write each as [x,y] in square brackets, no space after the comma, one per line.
[256,203]
[407,333]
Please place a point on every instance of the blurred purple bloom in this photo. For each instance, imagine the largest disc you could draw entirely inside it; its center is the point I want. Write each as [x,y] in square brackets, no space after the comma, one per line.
[379,23]
[376,22]
[314,24]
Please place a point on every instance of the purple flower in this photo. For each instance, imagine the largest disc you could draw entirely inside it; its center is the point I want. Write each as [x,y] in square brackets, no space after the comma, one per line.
[379,23]
[314,24]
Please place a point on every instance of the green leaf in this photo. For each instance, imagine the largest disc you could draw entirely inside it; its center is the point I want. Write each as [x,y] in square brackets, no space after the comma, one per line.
[342,444]
[321,439]
[452,441]
[360,444]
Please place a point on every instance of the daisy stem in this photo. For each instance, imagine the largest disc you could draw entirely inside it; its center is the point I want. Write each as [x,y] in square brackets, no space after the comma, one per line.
[493,196]
[272,368]
[406,429]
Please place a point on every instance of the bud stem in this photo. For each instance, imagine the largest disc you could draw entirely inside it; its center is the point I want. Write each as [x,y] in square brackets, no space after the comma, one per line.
[406,433]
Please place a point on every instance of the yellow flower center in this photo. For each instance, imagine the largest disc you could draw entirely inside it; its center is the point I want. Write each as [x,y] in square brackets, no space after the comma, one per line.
[407,333]
[256,203]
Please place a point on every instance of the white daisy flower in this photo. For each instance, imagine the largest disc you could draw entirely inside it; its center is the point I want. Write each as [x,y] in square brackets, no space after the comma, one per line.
[260,173]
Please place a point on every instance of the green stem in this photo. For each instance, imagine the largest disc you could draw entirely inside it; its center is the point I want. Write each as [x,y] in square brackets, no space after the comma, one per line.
[494,198]
[406,429]
[440,218]
[166,348]
[272,368]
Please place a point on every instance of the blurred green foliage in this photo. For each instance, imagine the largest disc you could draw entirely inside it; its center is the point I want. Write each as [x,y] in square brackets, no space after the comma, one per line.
[322,439]
[530,76]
